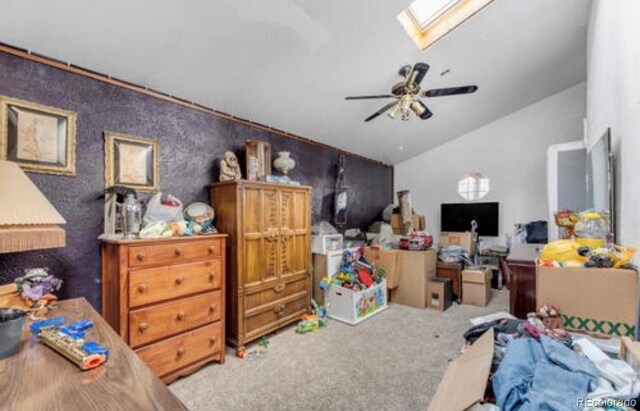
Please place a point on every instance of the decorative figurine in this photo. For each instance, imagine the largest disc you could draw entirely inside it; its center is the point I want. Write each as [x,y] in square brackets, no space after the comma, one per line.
[229,168]
[36,288]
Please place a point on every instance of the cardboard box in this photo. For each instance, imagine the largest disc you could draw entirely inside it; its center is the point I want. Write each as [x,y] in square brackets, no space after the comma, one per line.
[595,300]
[322,244]
[466,240]
[465,381]
[416,268]
[439,293]
[418,221]
[353,307]
[387,259]
[630,352]
[476,286]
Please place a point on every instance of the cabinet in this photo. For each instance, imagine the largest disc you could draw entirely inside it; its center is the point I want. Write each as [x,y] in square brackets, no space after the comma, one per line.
[452,271]
[269,256]
[521,263]
[165,298]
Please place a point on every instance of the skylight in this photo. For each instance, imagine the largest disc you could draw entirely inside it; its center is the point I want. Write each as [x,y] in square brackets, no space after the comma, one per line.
[427,21]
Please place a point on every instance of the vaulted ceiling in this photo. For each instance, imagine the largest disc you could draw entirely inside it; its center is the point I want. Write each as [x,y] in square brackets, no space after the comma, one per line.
[290,63]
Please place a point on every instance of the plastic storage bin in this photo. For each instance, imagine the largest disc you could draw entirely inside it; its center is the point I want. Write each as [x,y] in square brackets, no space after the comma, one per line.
[322,244]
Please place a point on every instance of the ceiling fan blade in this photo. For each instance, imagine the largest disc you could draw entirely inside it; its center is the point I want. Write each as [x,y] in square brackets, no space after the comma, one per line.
[421,110]
[438,92]
[404,71]
[381,111]
[418,72]
[367,97]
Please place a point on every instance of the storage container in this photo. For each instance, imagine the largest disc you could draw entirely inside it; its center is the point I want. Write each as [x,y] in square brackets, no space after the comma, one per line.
[353,307]
[322,244]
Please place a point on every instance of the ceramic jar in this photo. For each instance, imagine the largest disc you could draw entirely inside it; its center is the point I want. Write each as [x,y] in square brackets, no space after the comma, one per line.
[284,163]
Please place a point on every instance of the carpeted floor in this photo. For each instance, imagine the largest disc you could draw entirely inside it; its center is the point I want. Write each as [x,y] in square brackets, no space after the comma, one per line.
[392,361]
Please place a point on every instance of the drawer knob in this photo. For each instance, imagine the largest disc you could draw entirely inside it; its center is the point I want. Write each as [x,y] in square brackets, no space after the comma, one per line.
[212,249]
[142,288]
[141,256]
[279,309]
[181,315]
[212,308]
[213,340]
[178,251]
[179,280]
[212,275]
[180,352]
[143,327]
[278,288]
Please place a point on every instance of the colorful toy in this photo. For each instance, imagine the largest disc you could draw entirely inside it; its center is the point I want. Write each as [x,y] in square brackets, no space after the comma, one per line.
[564,252]
[256,353]
[613,256]
[311,322]
[567,220]
[69,341]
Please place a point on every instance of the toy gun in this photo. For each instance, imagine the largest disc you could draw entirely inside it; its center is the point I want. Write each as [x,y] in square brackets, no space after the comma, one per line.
[69,341]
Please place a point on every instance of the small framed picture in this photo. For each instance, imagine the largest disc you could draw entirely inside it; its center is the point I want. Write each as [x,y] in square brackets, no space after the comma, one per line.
[131,161]
[39,138]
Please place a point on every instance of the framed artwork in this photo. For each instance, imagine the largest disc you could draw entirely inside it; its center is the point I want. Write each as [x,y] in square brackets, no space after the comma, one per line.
[131,161]
[39,138]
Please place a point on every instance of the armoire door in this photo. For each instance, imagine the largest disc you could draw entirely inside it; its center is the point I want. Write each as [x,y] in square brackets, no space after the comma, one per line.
[295,231]
[261,233]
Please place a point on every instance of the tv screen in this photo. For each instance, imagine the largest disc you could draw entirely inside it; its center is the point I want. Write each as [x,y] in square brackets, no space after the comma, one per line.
[458,217]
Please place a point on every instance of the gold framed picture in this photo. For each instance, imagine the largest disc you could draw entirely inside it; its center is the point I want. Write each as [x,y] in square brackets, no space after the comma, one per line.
[39,138]
[131,161]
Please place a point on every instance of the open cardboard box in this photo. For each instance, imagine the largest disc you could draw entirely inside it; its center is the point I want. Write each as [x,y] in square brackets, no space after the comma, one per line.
[593,300]
[465,381]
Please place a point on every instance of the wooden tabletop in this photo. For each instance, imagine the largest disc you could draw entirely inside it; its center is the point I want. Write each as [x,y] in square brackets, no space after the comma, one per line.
[37,378]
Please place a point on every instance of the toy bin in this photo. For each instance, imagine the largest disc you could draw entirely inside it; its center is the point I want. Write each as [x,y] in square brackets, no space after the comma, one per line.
[353,307]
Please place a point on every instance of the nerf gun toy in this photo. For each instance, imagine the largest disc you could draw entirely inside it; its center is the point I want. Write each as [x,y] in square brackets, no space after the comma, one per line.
[69,341]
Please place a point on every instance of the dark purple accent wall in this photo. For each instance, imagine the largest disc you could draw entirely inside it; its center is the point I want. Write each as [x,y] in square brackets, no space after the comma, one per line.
[191,144]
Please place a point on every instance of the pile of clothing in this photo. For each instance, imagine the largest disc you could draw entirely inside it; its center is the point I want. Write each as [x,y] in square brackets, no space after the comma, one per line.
[537,366]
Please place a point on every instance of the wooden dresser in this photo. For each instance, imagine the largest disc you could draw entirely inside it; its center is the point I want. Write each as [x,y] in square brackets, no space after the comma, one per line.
[165,297]
[522,272]
[269,257]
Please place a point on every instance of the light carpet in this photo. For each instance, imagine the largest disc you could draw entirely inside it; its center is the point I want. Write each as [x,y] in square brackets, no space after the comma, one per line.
[392,361]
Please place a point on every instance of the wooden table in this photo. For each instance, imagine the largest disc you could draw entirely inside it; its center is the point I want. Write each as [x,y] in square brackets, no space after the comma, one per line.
[37,378]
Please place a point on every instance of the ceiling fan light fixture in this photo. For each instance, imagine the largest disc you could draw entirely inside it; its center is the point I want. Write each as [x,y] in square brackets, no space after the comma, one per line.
[418,108]
[394,111]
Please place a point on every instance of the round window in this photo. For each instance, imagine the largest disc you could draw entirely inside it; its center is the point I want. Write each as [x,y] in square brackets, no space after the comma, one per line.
[473,187]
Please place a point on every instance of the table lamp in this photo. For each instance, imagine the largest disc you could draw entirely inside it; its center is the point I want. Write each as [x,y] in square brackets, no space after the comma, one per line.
[28,221]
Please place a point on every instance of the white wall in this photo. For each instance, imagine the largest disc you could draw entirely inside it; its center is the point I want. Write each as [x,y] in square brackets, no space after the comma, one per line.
[510,151]
[613,100]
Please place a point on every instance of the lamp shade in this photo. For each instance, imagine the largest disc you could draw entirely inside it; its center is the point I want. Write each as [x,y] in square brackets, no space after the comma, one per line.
[28,221]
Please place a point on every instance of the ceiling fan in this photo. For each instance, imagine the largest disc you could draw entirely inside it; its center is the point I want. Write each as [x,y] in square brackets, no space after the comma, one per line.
[407,93]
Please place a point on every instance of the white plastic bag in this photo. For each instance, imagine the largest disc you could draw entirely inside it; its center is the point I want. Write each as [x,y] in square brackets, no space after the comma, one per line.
[156,211]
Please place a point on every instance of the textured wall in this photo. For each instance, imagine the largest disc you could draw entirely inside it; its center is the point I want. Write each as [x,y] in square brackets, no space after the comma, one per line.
[191,143]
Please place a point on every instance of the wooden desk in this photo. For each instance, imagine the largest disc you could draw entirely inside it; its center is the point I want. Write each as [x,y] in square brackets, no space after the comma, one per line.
[37,378]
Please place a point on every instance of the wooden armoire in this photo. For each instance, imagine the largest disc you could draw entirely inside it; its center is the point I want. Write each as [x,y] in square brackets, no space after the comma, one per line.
[269,255]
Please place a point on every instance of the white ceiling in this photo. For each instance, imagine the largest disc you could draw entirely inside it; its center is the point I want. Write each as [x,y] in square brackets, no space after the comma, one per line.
[290,63]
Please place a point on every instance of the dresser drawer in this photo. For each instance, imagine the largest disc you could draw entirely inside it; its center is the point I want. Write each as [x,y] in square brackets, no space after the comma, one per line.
[182,350]
[277,292]
[257,320]
[150,285]
[159,321]
[175,252]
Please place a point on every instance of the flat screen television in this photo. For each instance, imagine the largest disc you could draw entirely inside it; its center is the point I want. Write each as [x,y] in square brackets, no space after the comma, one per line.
[458,217]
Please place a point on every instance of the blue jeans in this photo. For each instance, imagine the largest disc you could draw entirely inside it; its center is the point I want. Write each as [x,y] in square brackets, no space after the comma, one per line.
[542,375]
